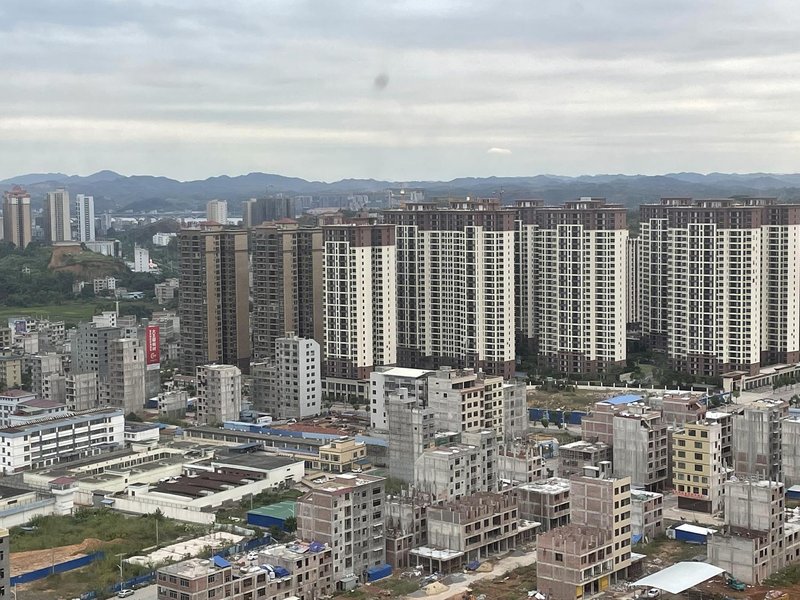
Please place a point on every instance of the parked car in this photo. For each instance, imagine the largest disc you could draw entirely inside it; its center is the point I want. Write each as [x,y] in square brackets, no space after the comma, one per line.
[124,593]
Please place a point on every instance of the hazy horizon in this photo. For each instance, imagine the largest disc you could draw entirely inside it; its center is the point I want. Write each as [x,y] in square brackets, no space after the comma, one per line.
[409,90]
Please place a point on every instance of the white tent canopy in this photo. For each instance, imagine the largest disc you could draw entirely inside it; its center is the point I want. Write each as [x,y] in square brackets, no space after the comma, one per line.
[680,577]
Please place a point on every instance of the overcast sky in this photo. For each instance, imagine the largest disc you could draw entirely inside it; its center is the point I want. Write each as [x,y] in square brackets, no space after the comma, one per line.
[419,89]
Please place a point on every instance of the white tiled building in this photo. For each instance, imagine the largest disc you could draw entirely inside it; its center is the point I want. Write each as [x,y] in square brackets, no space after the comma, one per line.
[49,441]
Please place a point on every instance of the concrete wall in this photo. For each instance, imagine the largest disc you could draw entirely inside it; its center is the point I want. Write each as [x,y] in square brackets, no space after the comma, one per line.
[791,451]
[181,513]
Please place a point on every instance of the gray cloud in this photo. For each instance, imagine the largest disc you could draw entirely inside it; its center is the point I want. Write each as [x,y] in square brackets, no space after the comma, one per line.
[190,89]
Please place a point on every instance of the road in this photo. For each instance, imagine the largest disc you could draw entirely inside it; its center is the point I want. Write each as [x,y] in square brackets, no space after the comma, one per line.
[146,593]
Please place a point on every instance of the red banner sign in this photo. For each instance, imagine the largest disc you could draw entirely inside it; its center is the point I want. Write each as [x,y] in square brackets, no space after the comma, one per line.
[152,337]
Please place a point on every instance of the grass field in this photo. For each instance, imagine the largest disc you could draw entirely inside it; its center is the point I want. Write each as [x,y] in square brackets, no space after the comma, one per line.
[126,535]
[72,312]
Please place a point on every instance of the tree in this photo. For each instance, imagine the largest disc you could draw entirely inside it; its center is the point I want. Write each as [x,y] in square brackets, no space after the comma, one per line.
[290,524]
[545,423]
[133,417]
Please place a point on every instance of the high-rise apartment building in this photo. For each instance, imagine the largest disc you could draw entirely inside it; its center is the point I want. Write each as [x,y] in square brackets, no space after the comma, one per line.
[287,264]
[56,217]
[84,211]
[217,212]
[290,386]
[214,304]
[455,285]
[719,283]
[259,210]
[360,304]
[17,226]
[634,301]
[219,394]
[579,288]
[526,273]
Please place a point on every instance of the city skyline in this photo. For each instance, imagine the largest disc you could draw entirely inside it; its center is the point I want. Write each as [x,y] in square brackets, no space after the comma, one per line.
[411,89]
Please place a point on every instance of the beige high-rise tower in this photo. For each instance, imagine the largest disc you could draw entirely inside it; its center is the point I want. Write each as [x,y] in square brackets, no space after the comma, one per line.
[287,284]
[56,216]
[214,304]
[17,217]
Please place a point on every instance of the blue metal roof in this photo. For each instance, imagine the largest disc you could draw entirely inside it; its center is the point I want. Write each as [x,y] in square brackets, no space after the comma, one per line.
[221,562]
[626,399]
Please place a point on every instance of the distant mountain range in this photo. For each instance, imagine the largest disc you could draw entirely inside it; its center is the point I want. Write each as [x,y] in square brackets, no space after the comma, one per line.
[116,192]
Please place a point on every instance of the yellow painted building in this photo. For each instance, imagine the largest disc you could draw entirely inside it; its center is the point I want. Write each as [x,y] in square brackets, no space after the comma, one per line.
[10,372]
[342,455]
[698,472]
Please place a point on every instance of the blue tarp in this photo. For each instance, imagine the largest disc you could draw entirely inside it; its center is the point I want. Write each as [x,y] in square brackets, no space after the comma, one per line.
[379,572]
[626,399]
[280,572]
[471,566]
[316,547]
[637,537]
[221,562]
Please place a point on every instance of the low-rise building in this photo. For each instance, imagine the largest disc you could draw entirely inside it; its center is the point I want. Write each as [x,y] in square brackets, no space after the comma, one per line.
[681,407]
[753,543]
[10,401]
[698,473]
[594,550]
[35,410]
[406,527]
[46,442]
[546,502]
[347,512]
[472,528]
[574,456]
[385,381]
[341,456]
[640,447]
[647,514]
[519,463]
[10,371]
[299,570]
[453,471]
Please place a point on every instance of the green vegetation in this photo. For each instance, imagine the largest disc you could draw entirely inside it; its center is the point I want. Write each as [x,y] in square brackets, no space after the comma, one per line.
[71,312]
[127,534]
[25,278]
[124,536]
[789,575]
[568,400]
[664,548]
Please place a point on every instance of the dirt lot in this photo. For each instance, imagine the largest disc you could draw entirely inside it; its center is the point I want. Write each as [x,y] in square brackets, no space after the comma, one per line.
[24,562]
[576,400]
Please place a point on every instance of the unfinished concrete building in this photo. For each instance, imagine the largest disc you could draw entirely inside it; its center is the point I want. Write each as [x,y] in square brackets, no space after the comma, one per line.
[411,431]
[640,447]
[790,450]
[682,407]
[598,425]
[347,513]
[647,515]
[573,457]
[725,420]
[519,463]
[752,545]
[473,528]
[594,551]
[757,440]
[514,417]
[546,502]
[453,471]
[406,526]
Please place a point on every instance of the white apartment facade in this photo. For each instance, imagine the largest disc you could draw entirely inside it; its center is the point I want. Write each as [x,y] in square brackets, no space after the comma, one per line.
[455,270]
[219,393]
[385,381]
[581,286]
[46,442]
[291,386]
[57,227]
[720,284]
[360,304]
[84,211]
[217,211]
